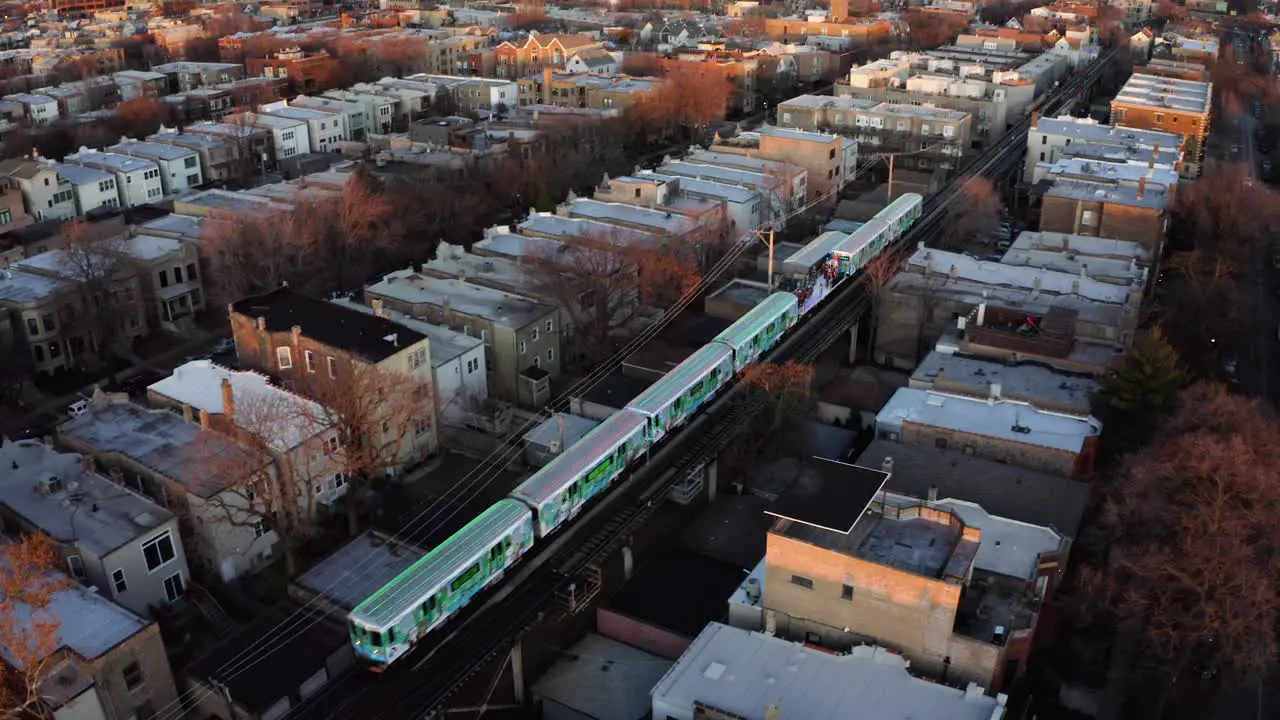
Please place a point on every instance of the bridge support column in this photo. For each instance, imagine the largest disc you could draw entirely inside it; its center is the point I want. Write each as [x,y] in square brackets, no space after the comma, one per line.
[628,562]
[711,471]
[517,671]
[853,344]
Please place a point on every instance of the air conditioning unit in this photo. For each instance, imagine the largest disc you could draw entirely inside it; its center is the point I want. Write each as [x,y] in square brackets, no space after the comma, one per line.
[554,447]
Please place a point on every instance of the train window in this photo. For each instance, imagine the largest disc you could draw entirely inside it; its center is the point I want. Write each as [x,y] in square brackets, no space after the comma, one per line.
[496,553]
[429,605]
[715,374]
[375,638]
[464,578]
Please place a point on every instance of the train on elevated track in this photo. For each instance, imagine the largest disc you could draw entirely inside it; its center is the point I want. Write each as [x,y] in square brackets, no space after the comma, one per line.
[398,616]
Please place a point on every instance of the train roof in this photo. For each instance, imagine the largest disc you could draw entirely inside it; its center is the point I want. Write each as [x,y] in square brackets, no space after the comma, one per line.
[863,236]
[443,562]
[817,249]
[681,378]
[747,326]
[579,458]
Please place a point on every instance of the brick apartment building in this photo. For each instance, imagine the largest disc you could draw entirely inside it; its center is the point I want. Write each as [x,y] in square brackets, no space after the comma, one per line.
[1169,104]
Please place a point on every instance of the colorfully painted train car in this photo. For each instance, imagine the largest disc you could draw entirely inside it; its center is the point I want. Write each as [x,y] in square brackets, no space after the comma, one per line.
[760,329]
[902,213]
[672,400]
[559,489]
[390,622]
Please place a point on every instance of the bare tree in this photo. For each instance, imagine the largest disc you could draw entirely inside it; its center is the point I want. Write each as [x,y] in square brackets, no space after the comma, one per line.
[778,397]
[380,416]
[599,290]
[1190,545]
[28,624]
[287,461]
[878,273]
[108,306]
[974,212]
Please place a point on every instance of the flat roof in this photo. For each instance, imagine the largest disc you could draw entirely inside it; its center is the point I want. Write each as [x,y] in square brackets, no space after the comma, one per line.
[25,287]
[702,186]
[359,568]
[548,224]
[563,428]
[501,308]
[833,495]
[85,622]
[153,149]
[369,337]
[997,274]
[647,595]
[1154,197]
[817,102]
[1005,490]
[116,161]
[996,419]
[175,223]
[974,293]
[1090,129]
[81,175]
[660,220]
[282,418]
[1083,246]
[721,173]
[1007,547]
[743,672]
[444,344]
[1025,382]
[152,247]
[920,111]
[297,113]
[89,511]
[1155,91]
[602,679]
[157,439]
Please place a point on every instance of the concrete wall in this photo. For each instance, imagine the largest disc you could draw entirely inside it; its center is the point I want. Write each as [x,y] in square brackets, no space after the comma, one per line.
[658,641]
[1025,455]
[1126,222]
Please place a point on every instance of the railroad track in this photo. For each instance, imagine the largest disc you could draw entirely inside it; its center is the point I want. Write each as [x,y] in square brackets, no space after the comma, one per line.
[492,626]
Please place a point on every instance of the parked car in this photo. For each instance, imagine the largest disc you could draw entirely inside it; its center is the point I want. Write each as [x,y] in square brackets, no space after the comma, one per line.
[78,408]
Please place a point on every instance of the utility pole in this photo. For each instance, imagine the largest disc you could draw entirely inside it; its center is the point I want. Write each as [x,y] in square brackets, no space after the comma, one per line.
[769,241]
[891,156]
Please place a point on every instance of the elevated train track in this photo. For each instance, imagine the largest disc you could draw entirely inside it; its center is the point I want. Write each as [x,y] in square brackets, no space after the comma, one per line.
[562,575]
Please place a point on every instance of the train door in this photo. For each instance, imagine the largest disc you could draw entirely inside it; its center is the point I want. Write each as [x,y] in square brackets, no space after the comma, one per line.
[426,614]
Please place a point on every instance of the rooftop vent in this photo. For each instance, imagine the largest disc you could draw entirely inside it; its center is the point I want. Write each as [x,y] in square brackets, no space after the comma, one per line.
[714,671]
[144,520]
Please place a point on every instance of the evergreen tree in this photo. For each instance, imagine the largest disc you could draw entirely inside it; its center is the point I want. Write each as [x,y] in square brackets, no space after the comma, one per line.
[1132,400]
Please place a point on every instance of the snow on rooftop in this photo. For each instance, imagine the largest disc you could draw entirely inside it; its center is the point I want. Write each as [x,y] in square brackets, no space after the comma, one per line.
[513,245]
[743,673]
[997,419]
[23,287]
[1082,245]
[259,406]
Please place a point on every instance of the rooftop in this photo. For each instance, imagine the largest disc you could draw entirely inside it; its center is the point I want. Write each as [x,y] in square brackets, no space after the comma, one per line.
[743,672]
[87,623]
[81,175]
[517,246]
[603,679]
[659,220]
[305,652]
[1155,197]
[1085,247]
[114,161]
[156,439]
[1007,420]
[1090,129]
[1030,383]
[355,571]
[152,247]
[700,186]
[455,261]
[829,495]
[370,338]
[764,180]
[920,111]
[1042,282]
[297,113]
[501,308]
[1005,490]
[1155,91]
[562,428]
[550,225]
[819,102]
[187,226]
[285,419]
[446,345]
[152,149]
[22,287]
[1008,547]
[87,509]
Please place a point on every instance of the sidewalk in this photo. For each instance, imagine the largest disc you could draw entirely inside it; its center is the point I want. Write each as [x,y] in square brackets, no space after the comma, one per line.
[39,406]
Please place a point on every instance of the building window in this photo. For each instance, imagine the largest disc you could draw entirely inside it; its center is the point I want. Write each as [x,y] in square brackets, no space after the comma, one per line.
[259,528]
[132,674]
[473,365]
[309,358]
[523,347]
[177,274]
[333,367]
[803,582]
[33,327]
[191,272]
[174,587]
[420,427]
[551,326]
[158,551]
[846,592]
[284,358]
[535,335]
[6,217]
[117,579]
[484,337]
[164,278]
[1086,217]
[940,443]
[76,564]
[551,354]
[537,361]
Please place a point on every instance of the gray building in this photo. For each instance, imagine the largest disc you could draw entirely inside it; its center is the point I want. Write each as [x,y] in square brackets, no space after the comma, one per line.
[111,538]
[521,336]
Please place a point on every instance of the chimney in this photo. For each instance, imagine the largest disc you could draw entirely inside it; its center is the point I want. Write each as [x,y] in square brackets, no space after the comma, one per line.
[982,313]
[262,324]
[1084,270]
[993,392]
[1035,118]
[204,419]
[378,310]
[1142,186]
[887,465]
[187,413]
[933,493]
[295,332]
[228,399]
[88,463]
